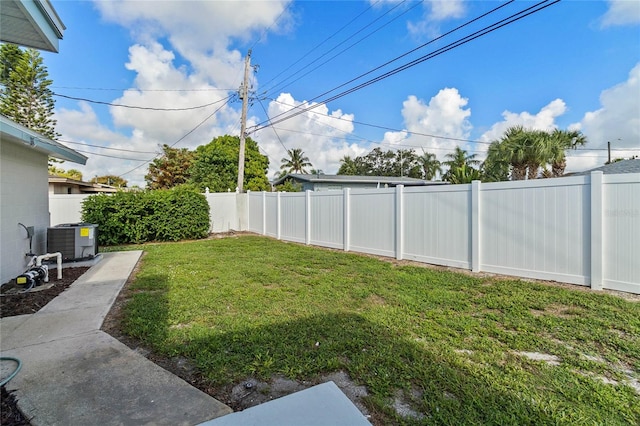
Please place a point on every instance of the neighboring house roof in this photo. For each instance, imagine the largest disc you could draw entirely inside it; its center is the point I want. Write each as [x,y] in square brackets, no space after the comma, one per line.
[84,187]
[30,23]
[622,166]
[16,133]
[382,180]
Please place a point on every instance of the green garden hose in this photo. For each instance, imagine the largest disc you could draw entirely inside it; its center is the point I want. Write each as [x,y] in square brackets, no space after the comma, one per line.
[12,375]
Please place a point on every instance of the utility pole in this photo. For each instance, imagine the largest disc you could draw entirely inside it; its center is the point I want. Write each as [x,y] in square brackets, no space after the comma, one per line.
[609,150]
[244,95]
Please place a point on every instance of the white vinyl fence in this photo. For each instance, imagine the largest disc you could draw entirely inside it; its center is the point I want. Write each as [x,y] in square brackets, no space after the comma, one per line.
[225,210]
[582,230]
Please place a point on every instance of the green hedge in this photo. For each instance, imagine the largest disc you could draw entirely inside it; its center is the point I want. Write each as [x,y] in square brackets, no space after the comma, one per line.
[138,217]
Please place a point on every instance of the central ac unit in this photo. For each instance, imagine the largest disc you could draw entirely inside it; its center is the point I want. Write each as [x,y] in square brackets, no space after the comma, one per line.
[76,241]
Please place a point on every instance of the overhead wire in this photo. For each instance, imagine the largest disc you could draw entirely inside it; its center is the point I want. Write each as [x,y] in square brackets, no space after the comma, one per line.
[391,129]
[138,90]
[138,107]
[105,147]
[279,88]
[486,30]
[180,139]
[320,44]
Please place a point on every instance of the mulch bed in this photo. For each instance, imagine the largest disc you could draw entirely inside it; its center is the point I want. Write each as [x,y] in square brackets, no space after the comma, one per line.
[11,304]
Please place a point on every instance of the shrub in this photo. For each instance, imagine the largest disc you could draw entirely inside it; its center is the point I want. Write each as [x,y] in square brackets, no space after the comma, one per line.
[137,217]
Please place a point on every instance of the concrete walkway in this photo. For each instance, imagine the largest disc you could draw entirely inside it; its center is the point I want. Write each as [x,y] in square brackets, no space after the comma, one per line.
[75,374]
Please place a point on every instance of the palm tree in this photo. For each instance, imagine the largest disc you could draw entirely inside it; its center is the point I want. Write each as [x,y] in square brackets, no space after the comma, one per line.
[559,141]
[296,163]
[459,159]
[430,165]
[524,150]
[495,167]
[464,174]
[348,166]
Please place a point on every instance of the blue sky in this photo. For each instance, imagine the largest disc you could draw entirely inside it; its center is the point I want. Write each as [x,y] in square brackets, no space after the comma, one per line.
[575,64]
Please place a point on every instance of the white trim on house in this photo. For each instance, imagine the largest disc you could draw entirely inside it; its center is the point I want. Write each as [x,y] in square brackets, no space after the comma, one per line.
[11,131]
[31,23]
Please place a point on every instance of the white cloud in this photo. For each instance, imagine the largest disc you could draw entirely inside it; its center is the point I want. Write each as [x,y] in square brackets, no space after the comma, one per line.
[621,12]
[196,67]
[617,121]
[444,115]
[323,135]
[83,126]
[155,71]
[446,9]
[435,12]
[542,120]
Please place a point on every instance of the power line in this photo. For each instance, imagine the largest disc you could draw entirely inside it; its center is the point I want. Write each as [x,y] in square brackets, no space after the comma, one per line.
[382,127]
[104,147]
[139,90]
[320,44]
[347,48]
[109,156]
[274,129]
[486,30]
[138,107]
[180,139]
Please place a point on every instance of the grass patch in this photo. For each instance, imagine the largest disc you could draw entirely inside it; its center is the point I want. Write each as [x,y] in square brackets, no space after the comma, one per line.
[451,344]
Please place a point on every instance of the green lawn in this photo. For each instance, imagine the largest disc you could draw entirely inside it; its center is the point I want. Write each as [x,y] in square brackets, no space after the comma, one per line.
[451,344]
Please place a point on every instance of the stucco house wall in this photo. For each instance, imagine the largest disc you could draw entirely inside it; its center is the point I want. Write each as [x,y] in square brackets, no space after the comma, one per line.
[23,173]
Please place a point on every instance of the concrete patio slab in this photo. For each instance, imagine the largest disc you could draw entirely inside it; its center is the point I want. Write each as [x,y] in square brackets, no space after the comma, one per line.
[321,405]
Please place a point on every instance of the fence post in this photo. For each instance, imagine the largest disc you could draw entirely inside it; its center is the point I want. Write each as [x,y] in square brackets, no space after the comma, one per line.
[399,221]
[264,213]
[346,229]
[307,225]
[278,214]
[597,272]
[248,210]
[475,226]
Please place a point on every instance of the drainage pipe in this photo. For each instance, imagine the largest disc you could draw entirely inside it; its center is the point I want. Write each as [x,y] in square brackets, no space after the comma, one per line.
[47,256]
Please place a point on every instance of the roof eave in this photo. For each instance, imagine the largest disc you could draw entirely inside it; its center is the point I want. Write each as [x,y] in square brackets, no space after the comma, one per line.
[14,132]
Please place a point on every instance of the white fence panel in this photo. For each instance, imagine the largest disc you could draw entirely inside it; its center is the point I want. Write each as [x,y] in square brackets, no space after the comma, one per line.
[327,219]
[224,214]
[372,221]
[65,208]
[293,217]
[256,208]
[437,224]
[583,230]
[537,229]
[621,232]
[271,215]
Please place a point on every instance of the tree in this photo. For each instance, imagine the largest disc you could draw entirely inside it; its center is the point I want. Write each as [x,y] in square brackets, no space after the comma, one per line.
[560,141]
[430,165]
[526,151]
[69,174]
[495,167]
[464,174]
[215,165]
[352,167]
[110,180]
[459,159]
[25,96]
[171,169]
[297,162]
[289,186]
